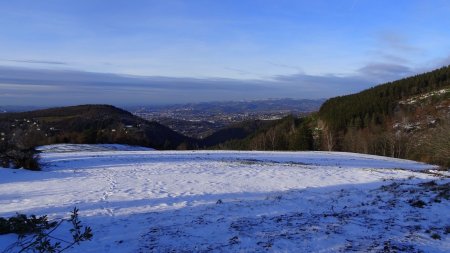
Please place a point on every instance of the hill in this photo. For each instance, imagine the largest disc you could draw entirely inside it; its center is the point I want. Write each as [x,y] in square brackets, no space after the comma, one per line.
[373,105]
[235,132]
[408,118]
[288,133]
[87,124]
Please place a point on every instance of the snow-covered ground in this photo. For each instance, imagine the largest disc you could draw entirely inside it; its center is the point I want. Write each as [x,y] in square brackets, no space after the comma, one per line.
[141,200]
[64,148]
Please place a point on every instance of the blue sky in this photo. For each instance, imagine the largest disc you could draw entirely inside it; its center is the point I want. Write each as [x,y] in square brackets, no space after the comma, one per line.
[158,52]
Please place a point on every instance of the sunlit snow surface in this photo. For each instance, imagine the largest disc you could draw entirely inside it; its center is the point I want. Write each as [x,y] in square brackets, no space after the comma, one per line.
[141,200]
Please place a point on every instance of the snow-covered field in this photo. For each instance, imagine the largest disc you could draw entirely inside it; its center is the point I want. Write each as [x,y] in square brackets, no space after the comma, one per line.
[139,200]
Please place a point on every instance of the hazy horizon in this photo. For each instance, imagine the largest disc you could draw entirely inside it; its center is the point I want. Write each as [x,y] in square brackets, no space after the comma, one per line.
[57,53]
[161,105]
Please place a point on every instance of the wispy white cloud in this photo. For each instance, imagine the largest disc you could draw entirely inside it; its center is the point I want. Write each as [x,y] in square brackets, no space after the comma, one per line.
[33,61]
[17,87]
[286,66]
[397,41]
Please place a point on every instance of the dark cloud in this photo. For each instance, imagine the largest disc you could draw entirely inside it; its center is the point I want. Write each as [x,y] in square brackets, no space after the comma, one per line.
[27,86]
[43,87]
[327,85]
[382,72]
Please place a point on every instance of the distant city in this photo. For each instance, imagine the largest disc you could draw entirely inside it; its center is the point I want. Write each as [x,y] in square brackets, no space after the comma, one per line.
[201,119]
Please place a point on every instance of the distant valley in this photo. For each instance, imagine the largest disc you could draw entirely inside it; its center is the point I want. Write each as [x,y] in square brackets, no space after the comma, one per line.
[199,120]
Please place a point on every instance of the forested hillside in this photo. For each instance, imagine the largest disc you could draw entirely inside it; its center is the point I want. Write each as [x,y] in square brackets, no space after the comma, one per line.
[235,132]
[408,118]
[372,106]
[86,124]
[289,133]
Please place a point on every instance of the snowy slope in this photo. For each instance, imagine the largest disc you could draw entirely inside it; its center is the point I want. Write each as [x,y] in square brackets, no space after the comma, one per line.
[222,201]
[64,148]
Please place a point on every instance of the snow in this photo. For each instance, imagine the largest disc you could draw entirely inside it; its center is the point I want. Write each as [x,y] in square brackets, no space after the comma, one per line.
[420,97]
[63,148]
[141,200]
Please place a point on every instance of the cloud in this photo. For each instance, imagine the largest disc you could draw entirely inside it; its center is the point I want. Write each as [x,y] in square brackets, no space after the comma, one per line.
[397,42]
[328,85]
[286,66]
[239,71]
[94,80]
[71,87]
[62,87]
[382,72]
[27,87]
[36,61]
[391,57]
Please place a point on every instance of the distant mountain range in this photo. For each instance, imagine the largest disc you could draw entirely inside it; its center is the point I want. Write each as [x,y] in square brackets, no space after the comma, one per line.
[251,106]
[17,108]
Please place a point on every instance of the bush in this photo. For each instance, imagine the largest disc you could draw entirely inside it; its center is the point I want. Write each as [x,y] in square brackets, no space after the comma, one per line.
[22,225]
[17,158]
[4,162]
[417,203]
[27,159]
[35,233]
[436,236]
